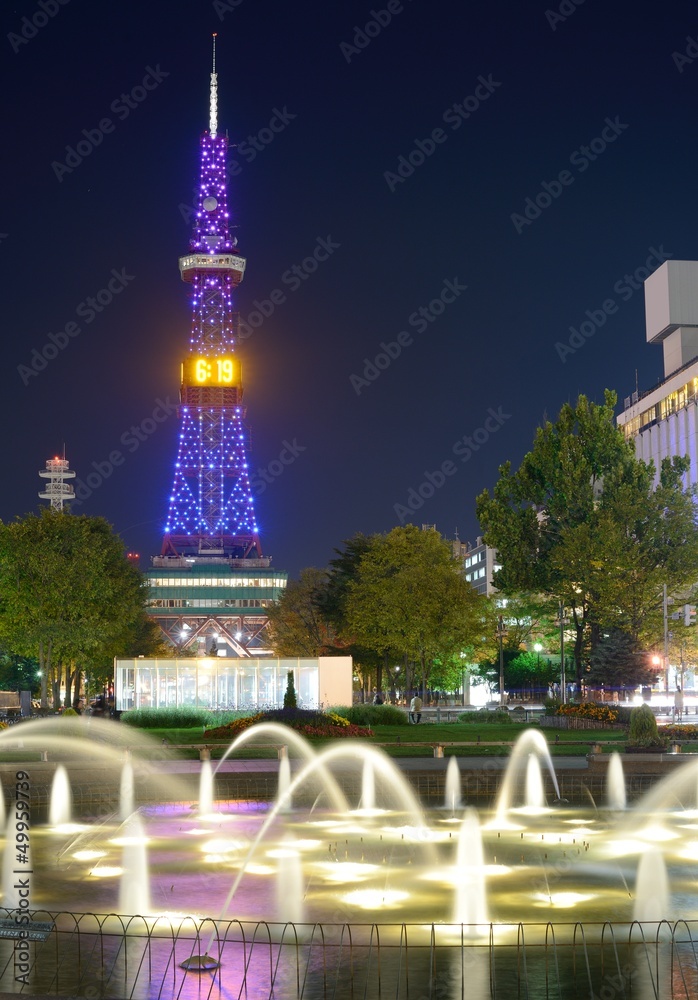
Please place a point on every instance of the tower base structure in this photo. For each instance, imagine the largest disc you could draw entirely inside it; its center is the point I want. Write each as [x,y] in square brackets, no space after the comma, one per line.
[214,605]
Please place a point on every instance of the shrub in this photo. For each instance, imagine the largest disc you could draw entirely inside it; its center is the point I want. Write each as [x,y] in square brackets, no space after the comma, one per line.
[623,714]
[68,711]
[643,728]
[372,715]
[290,700]
[178,718]
[551,705]
[498,716]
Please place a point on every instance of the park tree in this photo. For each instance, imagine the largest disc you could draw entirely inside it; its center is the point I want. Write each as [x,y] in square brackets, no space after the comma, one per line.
[619,661]
[141,636]
[409,598]
[298,626]
[528,618]
[18,673]
[67,591]
[581,521]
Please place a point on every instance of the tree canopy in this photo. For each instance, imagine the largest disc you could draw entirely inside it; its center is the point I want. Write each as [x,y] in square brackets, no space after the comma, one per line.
[298,625]
[582,521]
[410,597]
[68,595]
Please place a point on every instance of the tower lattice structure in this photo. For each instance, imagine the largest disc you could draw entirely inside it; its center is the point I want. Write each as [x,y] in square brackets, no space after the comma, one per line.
[57,491]
[211,508]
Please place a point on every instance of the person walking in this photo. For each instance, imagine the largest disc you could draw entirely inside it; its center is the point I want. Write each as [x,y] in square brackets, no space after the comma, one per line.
[678,704]
[416,709]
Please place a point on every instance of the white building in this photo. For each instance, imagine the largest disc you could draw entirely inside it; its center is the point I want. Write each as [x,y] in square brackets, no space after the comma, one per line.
[479,563]
[219,683]
[663,421]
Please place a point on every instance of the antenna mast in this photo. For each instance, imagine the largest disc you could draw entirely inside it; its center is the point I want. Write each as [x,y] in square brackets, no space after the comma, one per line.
[213,115]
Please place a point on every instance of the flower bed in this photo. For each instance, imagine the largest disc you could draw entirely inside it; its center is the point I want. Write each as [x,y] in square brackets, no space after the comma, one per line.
[575,722]
[590,710]
[679,732]
[307,723]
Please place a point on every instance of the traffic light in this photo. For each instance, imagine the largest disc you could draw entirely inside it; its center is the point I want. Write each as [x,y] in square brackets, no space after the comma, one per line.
[689,614]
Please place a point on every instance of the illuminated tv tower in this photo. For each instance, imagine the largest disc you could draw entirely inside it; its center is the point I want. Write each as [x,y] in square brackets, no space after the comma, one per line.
[211,510]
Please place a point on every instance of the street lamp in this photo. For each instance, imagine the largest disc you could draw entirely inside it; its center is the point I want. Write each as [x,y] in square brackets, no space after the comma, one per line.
[537,646]
[562,621]
[501,632]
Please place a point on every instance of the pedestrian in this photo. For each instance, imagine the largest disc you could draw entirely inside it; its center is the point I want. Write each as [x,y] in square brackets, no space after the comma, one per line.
[415,709]
[377,700]
[678,704]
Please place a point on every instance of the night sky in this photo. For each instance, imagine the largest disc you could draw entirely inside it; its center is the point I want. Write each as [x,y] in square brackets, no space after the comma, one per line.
[592,115]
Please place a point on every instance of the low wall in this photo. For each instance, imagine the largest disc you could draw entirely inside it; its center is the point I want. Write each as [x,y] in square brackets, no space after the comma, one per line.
[575,722]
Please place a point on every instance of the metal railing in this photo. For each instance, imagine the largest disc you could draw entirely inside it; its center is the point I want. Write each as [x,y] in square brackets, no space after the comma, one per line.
[91,955]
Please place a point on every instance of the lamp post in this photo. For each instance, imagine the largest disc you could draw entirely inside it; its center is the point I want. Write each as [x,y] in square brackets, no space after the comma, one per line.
[501,632]
[537,646]
[563,680]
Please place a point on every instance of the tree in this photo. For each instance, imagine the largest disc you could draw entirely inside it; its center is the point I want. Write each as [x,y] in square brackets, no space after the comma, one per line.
[581,521]
[298,626]
[67,592]
[140,637]
[530,672]
[618,661]
[343,571]
[18,673]
[528,618]
[409,597]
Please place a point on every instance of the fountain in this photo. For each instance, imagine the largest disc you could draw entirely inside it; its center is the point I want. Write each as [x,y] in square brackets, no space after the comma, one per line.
[452,797]
[651,887]
[615,783]
[530,747]
[368,787]
[284,781]
[134,891]
[470,903]
[61,804]
[357,850]
[126,796]
[206,789]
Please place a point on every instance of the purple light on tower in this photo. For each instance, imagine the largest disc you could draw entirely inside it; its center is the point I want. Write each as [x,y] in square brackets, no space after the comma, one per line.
[211,510]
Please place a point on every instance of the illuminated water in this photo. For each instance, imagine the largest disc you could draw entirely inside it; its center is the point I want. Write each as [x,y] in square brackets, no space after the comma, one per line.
[347,842]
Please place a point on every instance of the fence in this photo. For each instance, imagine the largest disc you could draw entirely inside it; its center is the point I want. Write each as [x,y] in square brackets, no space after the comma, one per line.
[90,955]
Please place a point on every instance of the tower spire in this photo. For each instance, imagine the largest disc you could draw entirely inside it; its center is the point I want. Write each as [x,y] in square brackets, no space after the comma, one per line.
[213,112]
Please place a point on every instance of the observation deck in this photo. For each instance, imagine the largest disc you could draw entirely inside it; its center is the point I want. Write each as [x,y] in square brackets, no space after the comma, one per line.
[218,263]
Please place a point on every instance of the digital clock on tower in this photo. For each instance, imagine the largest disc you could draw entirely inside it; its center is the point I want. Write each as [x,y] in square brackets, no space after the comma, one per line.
[210,371]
